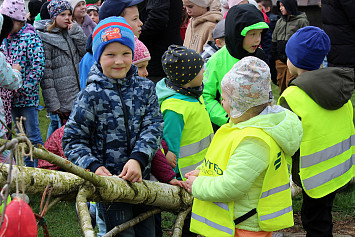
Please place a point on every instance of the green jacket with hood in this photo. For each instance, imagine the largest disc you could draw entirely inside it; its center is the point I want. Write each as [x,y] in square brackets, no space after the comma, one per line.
[285,27]
[330,88]
[242,180]
[240,17]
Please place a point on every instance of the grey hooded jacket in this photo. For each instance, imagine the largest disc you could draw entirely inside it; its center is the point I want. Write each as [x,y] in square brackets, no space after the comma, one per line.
[63,51]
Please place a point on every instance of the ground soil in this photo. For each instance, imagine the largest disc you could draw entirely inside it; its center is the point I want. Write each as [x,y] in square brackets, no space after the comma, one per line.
[342,225]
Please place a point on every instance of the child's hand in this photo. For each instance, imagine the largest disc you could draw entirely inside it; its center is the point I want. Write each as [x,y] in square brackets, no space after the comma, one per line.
[192,173]
[71,23]
[180,183]
[103,171]
[17,67]
[189,183]
[171,157]
[131,171]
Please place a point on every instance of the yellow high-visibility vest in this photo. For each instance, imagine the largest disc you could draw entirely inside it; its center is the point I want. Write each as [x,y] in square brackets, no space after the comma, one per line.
[328,144]
[274,207]
[196,135]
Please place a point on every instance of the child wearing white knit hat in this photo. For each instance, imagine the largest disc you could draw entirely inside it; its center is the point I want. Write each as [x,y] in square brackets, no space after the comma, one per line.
[203,21]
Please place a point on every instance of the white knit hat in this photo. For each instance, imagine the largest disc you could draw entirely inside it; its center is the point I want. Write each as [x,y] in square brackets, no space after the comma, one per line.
[201,3]
[73,3]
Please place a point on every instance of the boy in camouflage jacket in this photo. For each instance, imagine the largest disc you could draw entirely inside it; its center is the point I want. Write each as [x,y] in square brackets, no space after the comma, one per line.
[116,125]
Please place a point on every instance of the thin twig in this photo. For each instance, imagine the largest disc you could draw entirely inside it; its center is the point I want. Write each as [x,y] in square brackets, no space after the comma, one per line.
[132,222]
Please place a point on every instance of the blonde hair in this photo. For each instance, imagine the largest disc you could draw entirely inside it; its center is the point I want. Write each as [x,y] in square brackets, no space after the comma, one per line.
[51,26]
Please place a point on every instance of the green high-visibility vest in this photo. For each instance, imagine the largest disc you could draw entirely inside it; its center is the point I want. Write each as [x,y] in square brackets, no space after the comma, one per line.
[196,135]
[274,207]
[328,144]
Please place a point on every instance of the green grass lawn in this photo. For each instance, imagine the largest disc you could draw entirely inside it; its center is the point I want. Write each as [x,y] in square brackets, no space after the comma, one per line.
[62,219]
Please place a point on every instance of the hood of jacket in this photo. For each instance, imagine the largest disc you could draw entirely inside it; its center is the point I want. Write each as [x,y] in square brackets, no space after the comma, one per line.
[329,87]
[238,18]
[281,124]
[96,76]
[210,16]
[163,91]
[290,6]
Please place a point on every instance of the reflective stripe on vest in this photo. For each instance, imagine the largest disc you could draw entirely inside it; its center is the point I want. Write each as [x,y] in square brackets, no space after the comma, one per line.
[212,224]
[328,144]
[275,203]
[196,135]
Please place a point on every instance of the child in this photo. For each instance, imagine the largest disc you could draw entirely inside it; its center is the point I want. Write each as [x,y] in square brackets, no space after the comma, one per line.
[93,12]
[202,22]
[141,57]
[216,44]
[64,46]
[187,128]
[125,8]
[291,20]
[243,29]
[321,99]
[10,76]
[24,47]
[243,184]
[116,125]
[81,17]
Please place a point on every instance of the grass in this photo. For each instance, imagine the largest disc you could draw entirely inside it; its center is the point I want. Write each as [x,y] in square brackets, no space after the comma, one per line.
[62,219]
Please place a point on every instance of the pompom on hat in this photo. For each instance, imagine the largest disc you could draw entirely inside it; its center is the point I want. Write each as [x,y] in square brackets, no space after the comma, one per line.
[181,65]
[109,30]
[15,9]
[247,84]
[141,52]
[56,7]
[307,48]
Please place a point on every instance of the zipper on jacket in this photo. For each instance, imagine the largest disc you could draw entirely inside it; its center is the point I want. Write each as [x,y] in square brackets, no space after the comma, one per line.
[124,108]
[72,60]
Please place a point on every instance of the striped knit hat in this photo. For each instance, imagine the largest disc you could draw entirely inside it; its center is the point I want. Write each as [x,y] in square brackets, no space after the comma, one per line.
[109,30]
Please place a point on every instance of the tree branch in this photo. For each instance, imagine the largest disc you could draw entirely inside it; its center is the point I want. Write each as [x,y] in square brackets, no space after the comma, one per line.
[179,222]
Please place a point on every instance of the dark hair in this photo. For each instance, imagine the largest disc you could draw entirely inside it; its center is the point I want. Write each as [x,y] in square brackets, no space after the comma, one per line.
[265,3]
[7,26]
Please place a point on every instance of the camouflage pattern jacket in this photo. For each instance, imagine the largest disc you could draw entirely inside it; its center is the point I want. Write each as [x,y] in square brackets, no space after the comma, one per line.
[113,121]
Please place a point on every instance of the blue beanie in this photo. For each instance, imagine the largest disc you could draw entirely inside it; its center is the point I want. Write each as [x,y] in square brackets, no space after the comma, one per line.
[109,30]
[307,48]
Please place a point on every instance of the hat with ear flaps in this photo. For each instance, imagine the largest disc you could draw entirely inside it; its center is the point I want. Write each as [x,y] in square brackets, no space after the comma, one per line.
[6,25]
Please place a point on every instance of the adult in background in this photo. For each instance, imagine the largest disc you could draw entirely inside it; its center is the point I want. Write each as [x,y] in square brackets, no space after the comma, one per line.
[161,28]
[338,17]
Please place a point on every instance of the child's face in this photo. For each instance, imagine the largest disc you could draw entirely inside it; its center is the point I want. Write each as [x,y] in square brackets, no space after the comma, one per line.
[252,40]
[283,9]
[131,15]
[63,19]
[94,15]
[225,102]
[80,10]
[291,68]
[116,60]
[193,10]
[142,68]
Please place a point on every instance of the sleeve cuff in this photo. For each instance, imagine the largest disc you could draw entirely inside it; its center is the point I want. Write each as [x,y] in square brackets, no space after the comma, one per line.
[94,166]
[141,158]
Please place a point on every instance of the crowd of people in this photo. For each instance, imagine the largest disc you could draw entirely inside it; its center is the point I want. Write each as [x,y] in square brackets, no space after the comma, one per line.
[179,91]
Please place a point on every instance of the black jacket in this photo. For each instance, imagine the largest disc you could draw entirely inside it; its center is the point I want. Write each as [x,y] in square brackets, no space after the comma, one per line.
[161,28]
[338,18]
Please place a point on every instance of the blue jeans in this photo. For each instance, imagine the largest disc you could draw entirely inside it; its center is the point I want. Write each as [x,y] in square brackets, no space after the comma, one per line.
[116,213]
[100,222]
[54,124]
[31,127]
